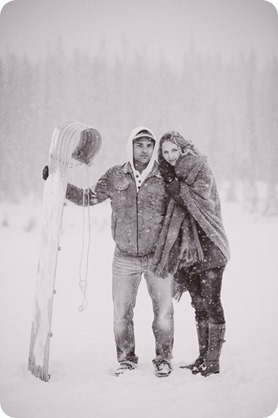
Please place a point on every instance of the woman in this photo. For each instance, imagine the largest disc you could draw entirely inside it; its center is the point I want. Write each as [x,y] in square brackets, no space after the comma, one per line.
[193,244]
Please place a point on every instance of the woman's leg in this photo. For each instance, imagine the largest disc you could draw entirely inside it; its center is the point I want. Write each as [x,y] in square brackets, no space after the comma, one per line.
[211,291]
[193,284]
[211,283]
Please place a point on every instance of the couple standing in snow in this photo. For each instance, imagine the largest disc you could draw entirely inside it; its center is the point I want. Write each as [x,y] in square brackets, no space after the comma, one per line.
[167,226]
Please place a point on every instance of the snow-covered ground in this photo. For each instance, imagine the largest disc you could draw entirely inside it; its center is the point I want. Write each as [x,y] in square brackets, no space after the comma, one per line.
[83,357]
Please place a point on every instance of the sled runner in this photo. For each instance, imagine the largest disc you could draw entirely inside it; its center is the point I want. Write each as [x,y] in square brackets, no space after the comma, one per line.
[70,141]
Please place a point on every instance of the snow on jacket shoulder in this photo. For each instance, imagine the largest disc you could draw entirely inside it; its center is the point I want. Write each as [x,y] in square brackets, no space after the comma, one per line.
[136,217]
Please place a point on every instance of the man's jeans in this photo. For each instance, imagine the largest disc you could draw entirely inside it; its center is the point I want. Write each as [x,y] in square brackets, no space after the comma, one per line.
[127,274]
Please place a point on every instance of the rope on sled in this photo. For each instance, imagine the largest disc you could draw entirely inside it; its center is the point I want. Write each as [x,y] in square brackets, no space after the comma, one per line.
[83,282]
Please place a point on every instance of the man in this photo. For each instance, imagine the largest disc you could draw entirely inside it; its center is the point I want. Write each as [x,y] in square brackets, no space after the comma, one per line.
[138,199]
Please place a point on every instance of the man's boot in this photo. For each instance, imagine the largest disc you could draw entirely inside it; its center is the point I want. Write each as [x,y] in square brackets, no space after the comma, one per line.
[203,334]
[216,340]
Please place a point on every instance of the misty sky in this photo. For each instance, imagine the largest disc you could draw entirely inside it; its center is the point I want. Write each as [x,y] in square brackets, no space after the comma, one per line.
[158,27]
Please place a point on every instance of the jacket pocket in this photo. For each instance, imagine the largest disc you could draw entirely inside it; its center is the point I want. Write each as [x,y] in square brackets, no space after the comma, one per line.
[121,183]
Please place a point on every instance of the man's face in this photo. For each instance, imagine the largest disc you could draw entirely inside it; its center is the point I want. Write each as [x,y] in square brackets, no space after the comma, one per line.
[142,150]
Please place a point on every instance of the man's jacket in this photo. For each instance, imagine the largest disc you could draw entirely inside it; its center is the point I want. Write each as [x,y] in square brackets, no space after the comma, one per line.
[136,217]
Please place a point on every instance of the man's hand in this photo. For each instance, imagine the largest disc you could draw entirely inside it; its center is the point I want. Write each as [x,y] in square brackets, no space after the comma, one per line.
[45,172]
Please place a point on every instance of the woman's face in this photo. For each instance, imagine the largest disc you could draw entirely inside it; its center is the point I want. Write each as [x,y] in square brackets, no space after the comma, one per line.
[170,152]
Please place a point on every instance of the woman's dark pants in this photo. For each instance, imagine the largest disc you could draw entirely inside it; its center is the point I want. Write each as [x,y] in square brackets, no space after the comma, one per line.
[205,291]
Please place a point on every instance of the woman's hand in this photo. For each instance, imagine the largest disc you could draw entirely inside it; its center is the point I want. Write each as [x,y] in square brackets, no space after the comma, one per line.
[167,171]
[173,188]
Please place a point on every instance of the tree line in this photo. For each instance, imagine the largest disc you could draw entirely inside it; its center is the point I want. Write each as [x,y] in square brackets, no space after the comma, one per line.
[228,109]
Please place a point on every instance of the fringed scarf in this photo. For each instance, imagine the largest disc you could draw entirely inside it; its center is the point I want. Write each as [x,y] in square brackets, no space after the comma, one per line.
[178,242]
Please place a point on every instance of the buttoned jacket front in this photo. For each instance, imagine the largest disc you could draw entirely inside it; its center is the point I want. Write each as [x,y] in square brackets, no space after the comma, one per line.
[136,217]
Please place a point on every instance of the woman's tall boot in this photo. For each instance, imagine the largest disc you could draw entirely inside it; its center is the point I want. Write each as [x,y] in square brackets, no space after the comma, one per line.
[203,336]
[216,340]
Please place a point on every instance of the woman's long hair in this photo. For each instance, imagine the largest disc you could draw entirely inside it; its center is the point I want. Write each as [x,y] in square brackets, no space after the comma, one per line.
[176,138]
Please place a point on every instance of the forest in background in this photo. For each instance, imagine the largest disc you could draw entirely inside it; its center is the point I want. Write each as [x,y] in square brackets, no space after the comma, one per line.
[228,109]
